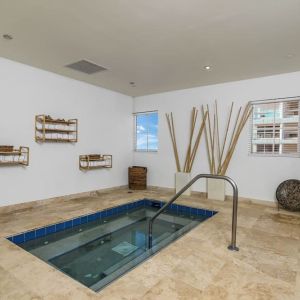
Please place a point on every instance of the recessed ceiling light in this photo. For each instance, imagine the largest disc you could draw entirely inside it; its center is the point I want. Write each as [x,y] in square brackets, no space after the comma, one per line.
[7,37]
[207,67]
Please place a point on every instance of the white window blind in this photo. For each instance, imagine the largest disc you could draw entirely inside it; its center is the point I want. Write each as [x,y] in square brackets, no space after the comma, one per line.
[275,128]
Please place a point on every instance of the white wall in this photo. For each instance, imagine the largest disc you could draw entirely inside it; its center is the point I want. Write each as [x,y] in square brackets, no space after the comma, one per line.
[257,177]
[105,126]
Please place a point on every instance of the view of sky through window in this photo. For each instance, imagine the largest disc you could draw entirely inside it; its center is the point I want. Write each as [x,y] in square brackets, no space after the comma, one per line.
[146,131]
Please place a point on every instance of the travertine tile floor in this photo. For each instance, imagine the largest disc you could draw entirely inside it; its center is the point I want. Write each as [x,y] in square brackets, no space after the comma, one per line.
[197,266]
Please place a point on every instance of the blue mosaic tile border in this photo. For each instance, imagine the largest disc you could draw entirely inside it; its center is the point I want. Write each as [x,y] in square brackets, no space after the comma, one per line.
[53,228]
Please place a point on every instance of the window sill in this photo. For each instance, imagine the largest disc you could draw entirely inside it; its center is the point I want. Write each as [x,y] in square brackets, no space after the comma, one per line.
[146,151]
[274,155]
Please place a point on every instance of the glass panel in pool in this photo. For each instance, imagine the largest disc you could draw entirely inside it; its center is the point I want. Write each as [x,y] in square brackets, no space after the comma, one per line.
[95,249]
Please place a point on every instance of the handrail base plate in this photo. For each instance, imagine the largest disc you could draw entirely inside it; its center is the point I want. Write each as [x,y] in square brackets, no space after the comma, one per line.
[233,248]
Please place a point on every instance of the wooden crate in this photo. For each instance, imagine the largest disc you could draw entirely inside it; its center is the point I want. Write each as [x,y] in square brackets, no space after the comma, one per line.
[137,178]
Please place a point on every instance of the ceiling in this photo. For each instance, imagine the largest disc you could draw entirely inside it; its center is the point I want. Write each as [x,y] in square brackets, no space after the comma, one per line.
[160,45]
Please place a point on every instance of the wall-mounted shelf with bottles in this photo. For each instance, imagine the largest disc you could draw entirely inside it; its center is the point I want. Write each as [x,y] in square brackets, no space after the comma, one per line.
[10,156]
[95,161]
[55,130]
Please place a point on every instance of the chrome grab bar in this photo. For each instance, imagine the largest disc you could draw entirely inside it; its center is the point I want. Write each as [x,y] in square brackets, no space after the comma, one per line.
[232,245]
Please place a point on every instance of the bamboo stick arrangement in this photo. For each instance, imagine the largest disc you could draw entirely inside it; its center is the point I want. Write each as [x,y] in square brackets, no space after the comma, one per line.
[194,140]
[171,126]
[220,153]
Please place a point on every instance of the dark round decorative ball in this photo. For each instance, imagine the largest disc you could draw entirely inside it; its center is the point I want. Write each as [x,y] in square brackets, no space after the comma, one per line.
[288,194]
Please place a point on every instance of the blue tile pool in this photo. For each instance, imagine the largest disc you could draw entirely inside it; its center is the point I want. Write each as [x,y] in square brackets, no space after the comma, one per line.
[97,248]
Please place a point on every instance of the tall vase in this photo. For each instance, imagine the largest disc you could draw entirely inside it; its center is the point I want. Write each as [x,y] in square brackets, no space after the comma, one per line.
[215,189]
[182,179]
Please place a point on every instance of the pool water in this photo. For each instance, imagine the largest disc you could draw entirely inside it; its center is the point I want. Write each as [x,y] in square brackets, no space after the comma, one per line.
[97,252]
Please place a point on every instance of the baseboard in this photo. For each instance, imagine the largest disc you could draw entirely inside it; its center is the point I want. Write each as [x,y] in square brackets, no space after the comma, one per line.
[31,204]
[95,193]
[227,197]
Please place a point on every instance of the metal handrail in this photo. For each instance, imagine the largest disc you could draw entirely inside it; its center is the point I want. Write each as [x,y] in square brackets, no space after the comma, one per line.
[232,245]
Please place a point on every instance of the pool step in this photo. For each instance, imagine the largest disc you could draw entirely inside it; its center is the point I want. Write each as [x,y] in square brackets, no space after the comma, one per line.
[51,250]
[169,218]
[124,261]
[133,255]
[126,264]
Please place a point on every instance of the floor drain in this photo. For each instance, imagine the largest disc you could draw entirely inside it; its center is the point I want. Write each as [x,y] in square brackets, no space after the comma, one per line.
[124,248]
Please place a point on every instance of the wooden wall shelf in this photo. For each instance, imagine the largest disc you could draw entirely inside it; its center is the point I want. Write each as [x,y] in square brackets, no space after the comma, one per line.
[10,156]
[55,130]
[95,161]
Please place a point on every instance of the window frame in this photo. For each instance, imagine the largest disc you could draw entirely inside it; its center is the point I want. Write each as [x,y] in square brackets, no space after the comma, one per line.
[251,129]
[135,131]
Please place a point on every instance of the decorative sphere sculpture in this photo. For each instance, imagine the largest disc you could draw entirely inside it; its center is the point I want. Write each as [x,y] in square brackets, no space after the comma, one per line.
[288,194]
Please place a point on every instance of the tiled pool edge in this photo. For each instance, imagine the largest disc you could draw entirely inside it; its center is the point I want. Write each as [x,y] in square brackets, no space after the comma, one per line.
[114,211]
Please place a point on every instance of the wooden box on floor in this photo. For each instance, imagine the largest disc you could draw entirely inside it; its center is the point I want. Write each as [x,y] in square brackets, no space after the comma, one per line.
[137,178]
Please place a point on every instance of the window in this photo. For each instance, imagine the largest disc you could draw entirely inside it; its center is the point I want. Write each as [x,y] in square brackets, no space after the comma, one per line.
[275,127]
[146,128]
